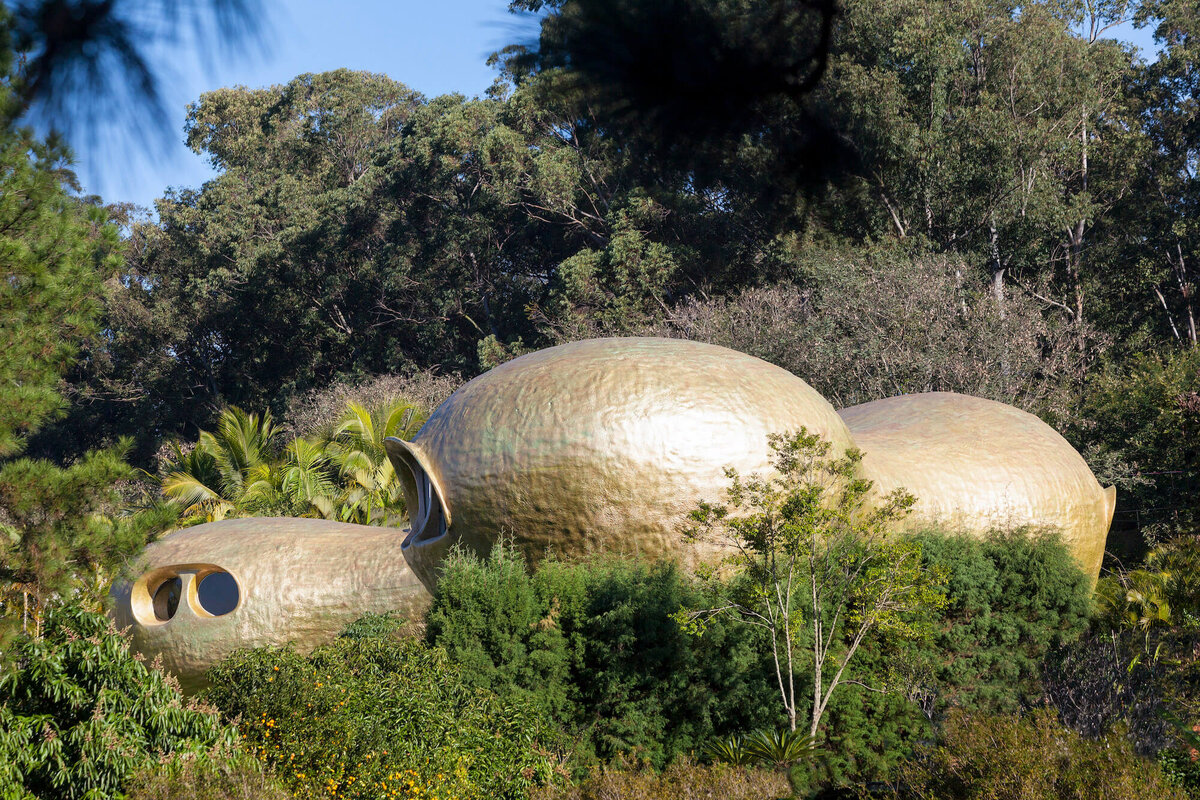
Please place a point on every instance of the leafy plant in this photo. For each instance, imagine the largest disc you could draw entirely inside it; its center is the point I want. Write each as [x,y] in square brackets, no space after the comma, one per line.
[813,554]
[375,715]
[80,714]
[730,750]
[780,748]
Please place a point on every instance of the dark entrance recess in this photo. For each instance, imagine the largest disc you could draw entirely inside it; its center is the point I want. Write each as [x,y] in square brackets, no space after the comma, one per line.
[166,598]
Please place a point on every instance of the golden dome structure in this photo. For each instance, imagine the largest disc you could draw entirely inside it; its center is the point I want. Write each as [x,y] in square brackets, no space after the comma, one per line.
[977,465]
[602,445]
[202,592]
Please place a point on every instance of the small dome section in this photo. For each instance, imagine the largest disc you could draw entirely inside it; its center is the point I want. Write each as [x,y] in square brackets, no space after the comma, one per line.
[976,465]
[205,591]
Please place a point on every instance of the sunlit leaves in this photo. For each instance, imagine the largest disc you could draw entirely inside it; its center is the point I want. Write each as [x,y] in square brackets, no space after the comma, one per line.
[342,474]
[814,554]
[80,713]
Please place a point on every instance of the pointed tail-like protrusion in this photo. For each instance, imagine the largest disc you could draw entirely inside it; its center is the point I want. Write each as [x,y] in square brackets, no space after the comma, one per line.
[1110,504]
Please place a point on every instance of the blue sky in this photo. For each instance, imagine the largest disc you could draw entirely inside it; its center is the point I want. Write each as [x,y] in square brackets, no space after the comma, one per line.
[433,46]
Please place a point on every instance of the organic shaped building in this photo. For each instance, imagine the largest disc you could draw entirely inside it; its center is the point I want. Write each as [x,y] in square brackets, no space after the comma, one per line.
[203,592]
[976,465]
[602,445]
[596,446]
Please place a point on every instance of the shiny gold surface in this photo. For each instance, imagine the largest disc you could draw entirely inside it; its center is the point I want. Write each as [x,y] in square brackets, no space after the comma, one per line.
[299,581]
[599,445]
[976,464]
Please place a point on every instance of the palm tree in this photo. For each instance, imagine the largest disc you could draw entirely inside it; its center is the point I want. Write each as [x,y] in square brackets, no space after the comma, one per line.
[195,484]
[343,474]
[229,473]
[372,493]
[307,480]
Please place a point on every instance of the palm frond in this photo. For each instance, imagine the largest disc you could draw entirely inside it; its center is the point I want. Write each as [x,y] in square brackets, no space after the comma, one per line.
[781,748]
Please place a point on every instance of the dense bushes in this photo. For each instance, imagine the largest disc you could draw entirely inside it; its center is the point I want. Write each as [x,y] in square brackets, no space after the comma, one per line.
[581,665]
[80,714]
[374,716]
[1013,597]
[1004,757]
[595,646]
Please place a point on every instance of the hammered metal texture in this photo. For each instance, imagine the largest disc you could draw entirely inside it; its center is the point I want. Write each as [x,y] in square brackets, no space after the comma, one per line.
[299,580]
[975,465]
[600,445]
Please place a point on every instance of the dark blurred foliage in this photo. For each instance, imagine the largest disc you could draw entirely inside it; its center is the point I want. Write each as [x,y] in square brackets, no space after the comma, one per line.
[699,85]
[84,64]
[1139,666]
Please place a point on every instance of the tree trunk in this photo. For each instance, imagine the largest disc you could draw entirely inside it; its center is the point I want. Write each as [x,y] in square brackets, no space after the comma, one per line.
[1185,290]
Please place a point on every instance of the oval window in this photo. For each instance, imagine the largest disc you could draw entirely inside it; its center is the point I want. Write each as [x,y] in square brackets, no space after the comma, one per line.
[166,598]
[218,593]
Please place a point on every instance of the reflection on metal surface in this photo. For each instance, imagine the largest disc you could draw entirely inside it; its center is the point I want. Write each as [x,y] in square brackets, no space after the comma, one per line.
[203,592]
[600,445]
[976,464]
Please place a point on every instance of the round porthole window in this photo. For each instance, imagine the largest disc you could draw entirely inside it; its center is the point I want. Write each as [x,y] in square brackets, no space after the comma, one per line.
[217,593]
[166,598]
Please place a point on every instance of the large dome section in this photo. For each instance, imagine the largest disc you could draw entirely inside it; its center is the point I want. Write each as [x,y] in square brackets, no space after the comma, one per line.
[601,445]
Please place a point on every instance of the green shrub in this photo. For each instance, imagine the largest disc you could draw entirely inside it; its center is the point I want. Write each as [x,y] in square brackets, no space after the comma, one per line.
[80,714]
[236,777]
[595,645]
[682,780]
[1007,757]
[1013,597]
[378,716]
